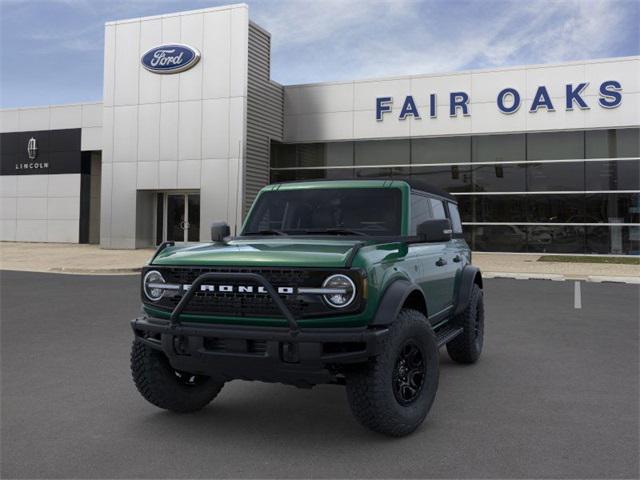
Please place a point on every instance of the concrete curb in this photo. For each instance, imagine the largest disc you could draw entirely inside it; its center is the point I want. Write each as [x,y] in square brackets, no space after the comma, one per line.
[94,271]
[562,278]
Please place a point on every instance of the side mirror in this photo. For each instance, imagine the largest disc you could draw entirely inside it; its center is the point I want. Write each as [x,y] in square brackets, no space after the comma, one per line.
[435,230]
[219,230]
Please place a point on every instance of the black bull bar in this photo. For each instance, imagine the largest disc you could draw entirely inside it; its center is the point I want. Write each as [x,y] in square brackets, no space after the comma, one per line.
[256,277]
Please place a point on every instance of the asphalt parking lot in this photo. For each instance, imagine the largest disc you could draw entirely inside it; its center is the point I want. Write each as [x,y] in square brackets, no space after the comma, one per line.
[555,395]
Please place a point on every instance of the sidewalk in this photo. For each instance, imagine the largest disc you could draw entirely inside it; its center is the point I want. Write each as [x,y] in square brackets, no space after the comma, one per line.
[526,266]
[70,258]
[91,259]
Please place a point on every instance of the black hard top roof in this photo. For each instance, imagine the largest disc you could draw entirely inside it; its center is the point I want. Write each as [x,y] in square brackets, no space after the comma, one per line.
[415,184]
[427,188]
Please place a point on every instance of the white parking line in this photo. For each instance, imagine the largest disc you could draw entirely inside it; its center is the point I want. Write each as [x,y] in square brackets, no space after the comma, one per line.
[577,296]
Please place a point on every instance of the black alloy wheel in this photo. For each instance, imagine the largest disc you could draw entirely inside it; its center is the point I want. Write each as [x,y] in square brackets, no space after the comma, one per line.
[408,374]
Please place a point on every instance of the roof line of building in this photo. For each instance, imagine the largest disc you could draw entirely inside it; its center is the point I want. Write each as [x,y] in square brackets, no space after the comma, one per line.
[467,72]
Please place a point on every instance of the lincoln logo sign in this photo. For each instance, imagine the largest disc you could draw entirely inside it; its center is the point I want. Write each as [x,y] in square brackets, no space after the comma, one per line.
[508,101]
[172,58]
[32,154]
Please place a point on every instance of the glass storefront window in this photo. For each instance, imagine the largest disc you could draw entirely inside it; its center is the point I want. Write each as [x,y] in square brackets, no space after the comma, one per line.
[613,207]
[555,208]
[499,148]
[399,173]
[613,175]
[555,145]
[311,174]
[613,240]
[498,208]
[283,155]
[499,178]
[555,239]
[382,152]
[496,238]
[544,177]
[450,178]
[612,143]
[311,154]
[440,150]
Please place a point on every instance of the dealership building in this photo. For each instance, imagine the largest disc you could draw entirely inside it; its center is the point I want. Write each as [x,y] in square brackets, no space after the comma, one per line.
[542,158]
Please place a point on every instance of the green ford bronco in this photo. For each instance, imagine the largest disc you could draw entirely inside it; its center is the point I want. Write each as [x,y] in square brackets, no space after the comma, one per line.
[355,283]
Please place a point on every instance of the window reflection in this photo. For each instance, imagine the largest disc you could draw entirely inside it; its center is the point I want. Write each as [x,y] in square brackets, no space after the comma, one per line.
[450,178]
[499,178]
[543,177]
[613,175]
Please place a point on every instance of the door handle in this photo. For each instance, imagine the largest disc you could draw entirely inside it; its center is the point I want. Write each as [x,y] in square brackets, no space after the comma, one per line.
[441,262]
[457,258]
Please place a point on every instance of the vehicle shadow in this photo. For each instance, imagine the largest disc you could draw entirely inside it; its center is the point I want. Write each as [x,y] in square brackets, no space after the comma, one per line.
[298,417]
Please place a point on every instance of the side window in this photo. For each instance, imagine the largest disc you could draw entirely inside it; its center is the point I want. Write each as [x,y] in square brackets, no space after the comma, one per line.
[437,209]
[420,211]
[456,223]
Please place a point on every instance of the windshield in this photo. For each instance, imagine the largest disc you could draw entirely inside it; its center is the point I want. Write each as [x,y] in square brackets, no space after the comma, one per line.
[327,211]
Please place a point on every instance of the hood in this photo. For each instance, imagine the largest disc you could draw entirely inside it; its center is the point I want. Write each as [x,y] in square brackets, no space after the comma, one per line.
[276,252]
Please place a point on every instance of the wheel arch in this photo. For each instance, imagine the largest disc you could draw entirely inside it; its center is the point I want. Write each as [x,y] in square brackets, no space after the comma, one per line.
[471,275]
[400,294]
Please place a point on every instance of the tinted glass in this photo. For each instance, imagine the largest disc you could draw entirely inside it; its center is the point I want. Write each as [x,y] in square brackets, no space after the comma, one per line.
[437,209]
[614,240]
[441,150]
[613,175]
[499,178]
[382,152]
[381,173]
[613,208]
[555,145]
[466,207]
[194,217]
[542,177]
[497,238]
[612,143]
[420,212]
[283,155]
[311,174]
[499,148]
[311,154]
[372,211]
[450,178]
[556,239]
[456,223]
[498,208]
[555,208]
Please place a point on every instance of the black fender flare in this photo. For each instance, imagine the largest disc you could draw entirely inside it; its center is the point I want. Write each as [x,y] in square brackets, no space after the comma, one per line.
[393,299]
[470,275]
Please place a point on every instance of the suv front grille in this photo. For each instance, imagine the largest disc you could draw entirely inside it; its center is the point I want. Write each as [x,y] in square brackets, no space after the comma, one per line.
[253,304]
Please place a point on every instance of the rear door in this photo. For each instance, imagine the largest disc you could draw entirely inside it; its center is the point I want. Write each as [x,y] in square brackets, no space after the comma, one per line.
[435,268]
[459,245]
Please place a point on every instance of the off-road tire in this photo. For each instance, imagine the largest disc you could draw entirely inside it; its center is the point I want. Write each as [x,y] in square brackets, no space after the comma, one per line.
[162,386]
[370,387]
[467,347]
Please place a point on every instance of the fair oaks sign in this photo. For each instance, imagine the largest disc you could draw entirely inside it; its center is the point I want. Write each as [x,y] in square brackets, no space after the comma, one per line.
[508,100]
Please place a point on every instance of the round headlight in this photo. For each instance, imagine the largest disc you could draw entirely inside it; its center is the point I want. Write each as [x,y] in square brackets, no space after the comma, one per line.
[150,285]
[345,291]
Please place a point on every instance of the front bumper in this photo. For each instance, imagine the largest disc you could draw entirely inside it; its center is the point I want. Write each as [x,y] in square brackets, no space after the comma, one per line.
[305,357]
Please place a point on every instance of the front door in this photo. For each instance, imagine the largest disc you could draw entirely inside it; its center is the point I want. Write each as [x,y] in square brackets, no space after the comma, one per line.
[182,217]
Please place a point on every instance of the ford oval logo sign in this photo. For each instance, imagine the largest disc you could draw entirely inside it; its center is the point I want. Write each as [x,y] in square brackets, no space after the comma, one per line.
[171,58]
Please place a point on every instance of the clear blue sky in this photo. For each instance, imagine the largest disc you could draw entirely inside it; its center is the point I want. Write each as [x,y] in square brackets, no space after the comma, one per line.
[51,51]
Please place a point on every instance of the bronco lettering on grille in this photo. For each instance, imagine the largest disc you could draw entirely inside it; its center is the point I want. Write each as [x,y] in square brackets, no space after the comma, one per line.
[240,289]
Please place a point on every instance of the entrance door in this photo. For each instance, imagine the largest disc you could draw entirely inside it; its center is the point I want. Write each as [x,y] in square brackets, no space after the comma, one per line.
[182,218]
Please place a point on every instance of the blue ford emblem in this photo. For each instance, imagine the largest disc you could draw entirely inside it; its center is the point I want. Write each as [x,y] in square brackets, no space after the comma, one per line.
[172,58]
